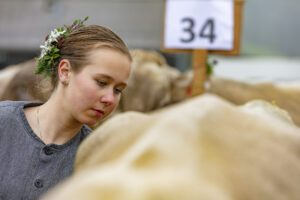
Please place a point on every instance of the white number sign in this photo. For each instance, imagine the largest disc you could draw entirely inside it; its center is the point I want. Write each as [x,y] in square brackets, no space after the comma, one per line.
[199,24]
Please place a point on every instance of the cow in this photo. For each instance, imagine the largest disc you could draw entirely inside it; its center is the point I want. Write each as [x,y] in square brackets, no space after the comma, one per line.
[5,77]
[24,84]
[202,148]
[286,96]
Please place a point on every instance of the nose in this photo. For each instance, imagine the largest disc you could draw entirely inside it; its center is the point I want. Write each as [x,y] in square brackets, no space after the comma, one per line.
[107,97]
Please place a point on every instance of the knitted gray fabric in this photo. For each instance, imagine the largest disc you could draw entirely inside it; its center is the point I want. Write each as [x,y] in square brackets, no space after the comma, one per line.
[28,167]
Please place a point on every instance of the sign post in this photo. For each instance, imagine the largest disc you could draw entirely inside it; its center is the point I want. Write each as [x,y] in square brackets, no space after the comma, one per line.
[201,27]
[199,68]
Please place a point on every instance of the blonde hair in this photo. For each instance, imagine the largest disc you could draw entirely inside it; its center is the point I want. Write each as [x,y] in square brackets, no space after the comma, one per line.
[81,41]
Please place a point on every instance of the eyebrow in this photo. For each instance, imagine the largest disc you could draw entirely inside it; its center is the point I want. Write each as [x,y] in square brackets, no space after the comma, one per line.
[110,78]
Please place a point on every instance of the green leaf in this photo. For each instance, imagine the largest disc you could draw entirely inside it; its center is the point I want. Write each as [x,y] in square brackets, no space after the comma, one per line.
[76,21]
[56,56]
[40,65]
[86,18]
[209,69]
[47,57]
[55,50]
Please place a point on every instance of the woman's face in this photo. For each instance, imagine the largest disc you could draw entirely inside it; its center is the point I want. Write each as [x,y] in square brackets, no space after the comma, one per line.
[95,91]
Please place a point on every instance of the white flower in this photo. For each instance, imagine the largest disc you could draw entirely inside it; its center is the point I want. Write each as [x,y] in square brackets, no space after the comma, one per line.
[48,43]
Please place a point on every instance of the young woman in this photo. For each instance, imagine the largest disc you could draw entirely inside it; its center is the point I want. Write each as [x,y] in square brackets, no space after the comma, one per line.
[89,67]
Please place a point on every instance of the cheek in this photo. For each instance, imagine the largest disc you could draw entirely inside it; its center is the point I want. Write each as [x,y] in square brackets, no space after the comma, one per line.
[84,93]
[114,105]
[117,101]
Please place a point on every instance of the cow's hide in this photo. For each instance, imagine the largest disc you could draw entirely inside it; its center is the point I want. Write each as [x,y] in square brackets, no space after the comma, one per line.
[6,76]
[238,92]
[203,148]
[142,56]
[25,84]
[151,87]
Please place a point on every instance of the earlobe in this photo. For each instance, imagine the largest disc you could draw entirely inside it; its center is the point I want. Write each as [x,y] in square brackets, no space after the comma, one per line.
[64,69]
[64,82]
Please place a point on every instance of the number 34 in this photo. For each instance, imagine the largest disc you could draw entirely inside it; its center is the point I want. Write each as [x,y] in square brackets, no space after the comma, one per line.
[209,24]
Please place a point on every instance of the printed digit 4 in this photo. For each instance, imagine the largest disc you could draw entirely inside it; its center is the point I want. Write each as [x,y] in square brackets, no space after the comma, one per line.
[210,25]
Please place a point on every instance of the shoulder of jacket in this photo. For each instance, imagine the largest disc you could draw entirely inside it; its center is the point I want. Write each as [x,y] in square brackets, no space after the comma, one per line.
[7,103]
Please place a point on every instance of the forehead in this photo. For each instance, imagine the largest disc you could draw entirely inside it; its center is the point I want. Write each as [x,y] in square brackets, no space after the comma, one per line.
[110,62]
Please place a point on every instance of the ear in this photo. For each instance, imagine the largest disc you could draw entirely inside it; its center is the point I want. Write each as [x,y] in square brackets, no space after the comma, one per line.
[64,70]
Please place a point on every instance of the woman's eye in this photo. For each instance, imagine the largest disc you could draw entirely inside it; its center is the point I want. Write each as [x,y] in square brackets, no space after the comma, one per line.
[101,83]
[118,91]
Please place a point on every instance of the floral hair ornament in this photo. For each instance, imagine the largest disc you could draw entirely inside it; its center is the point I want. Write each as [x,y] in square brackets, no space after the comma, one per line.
[50,52]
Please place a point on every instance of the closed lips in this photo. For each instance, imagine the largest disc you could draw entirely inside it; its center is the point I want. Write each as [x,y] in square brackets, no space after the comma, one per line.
[99,112]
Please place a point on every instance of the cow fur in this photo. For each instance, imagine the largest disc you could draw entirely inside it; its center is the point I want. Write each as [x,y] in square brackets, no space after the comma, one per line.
[203,148]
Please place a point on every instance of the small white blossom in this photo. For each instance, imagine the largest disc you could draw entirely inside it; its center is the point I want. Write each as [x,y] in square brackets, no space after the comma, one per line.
[48,43]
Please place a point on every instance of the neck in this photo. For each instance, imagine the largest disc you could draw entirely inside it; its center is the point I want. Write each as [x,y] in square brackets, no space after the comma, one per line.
[56,124]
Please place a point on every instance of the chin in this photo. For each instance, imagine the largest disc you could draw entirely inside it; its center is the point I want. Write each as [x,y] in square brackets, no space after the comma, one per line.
[88,121]
[92,123]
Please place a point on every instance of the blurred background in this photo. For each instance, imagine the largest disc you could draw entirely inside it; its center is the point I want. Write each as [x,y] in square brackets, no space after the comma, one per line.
[270,44]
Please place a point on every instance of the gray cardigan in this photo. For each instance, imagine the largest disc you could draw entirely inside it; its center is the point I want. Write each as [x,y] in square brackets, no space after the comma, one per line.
[28,167]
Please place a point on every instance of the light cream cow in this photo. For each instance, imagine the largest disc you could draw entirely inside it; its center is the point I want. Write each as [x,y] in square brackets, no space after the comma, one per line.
[5,77]
[238,92]
[23,84]
[204,148]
